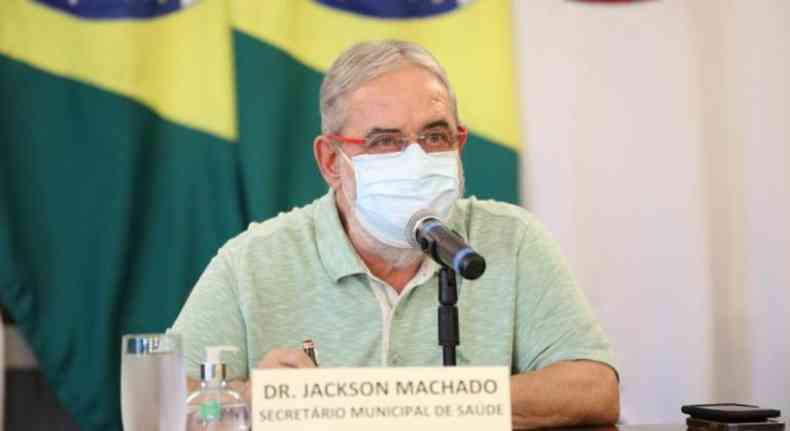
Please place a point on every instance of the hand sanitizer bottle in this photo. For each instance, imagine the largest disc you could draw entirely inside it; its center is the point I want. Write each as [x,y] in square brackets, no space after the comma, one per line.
[215,406]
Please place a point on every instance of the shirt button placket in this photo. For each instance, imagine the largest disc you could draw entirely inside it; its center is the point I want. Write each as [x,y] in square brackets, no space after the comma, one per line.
[394,358]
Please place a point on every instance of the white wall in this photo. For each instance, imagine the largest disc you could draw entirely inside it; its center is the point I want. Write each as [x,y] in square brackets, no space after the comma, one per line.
[656,138]
[757,54]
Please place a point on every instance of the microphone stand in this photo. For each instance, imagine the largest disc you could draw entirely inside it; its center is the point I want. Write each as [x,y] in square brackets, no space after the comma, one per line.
[448,315]
[449,336]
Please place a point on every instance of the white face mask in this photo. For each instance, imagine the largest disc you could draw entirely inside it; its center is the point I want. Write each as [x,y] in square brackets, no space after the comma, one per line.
[390,188]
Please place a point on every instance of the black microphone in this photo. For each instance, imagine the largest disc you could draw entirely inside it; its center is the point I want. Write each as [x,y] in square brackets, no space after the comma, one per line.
[426,231]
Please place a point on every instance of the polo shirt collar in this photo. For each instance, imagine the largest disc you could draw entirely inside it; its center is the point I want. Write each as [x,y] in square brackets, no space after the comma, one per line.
[337,254]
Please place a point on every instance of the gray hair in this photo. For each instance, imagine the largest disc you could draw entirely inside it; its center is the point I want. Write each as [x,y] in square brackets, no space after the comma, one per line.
[366,61]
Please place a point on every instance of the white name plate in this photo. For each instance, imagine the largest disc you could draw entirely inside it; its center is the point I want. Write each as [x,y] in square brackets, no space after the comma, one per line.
[381,399]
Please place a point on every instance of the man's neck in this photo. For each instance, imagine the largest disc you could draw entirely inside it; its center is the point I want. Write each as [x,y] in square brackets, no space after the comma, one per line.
[386,268]
[395,276]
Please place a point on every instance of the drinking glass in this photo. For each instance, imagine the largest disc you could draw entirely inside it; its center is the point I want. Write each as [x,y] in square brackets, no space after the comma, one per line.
[153,383]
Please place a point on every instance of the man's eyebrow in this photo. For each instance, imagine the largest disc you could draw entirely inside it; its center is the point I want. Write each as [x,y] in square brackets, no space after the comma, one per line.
[436,124]
[378,130]
[432,125]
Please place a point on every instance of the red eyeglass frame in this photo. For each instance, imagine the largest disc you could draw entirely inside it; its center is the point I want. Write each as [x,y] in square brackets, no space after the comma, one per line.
[462,131]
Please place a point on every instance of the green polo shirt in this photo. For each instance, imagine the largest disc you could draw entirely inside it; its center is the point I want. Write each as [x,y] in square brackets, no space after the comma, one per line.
[297,276]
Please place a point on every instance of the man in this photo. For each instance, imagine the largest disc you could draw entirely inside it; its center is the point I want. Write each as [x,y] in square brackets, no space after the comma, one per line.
[341,271]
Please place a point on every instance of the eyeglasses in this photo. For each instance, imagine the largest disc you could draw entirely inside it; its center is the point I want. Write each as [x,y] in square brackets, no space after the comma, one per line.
[432,141]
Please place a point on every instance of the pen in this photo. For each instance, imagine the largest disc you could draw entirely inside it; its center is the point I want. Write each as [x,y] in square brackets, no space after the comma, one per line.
[309,349]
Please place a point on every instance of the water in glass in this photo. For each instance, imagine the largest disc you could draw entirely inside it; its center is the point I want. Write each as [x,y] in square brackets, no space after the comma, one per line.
[153,390]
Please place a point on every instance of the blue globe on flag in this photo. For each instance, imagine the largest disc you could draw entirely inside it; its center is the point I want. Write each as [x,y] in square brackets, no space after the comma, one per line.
[118,9]
[396,9]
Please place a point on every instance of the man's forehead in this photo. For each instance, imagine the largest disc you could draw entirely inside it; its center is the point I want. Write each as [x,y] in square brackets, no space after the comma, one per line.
[404,81]
[398,100]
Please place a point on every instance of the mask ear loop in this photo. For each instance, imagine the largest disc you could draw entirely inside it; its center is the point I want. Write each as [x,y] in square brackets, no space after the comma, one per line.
[343,155]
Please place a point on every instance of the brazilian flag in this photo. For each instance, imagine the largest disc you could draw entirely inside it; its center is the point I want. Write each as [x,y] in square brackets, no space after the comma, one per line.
[137,136]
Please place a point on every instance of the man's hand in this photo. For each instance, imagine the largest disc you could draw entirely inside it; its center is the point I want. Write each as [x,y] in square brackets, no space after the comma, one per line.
[277,358]
[286,358]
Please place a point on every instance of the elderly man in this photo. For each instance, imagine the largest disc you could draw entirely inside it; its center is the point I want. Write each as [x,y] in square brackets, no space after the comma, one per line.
[341,271]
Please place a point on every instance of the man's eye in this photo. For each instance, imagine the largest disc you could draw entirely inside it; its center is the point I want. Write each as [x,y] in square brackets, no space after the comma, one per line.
[437,138]
[383,141]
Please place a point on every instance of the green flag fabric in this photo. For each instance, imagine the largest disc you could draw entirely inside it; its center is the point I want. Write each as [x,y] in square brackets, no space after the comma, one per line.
[137,136]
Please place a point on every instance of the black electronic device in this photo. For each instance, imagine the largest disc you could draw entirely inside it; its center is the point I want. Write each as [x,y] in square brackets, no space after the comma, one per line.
[706,425]
[729,412]
[731,417]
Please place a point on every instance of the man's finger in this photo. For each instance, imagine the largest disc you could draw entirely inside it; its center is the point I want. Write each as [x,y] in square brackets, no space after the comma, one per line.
[297,358]
[286,358]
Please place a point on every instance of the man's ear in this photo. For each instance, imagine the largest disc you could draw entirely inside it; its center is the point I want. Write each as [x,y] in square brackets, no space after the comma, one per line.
[326,157]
